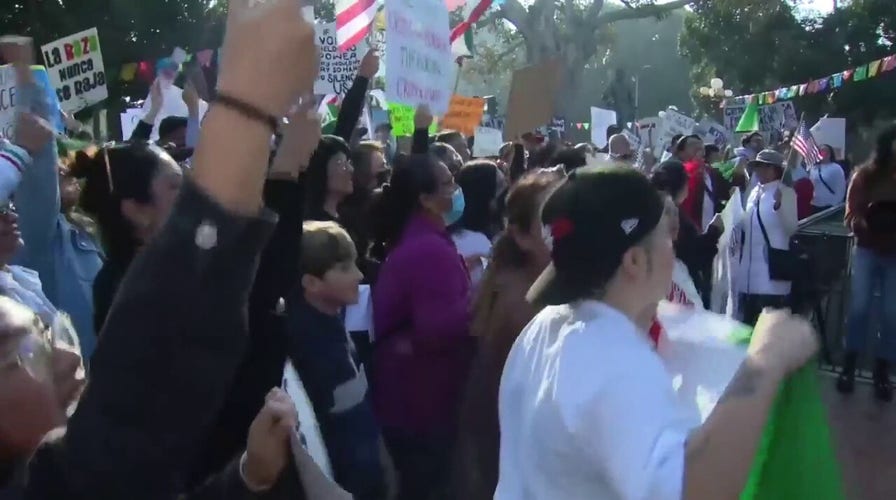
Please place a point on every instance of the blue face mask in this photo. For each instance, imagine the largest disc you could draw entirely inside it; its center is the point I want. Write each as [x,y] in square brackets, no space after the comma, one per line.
[457,207]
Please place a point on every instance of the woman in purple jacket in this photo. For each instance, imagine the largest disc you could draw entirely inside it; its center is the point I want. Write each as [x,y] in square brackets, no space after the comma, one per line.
[421,316]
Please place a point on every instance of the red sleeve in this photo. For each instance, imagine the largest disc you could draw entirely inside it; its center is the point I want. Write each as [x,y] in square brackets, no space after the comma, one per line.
[804,193]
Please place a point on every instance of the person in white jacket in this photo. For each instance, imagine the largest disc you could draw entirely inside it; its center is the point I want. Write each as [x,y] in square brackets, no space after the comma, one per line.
[829,180]
[773,205]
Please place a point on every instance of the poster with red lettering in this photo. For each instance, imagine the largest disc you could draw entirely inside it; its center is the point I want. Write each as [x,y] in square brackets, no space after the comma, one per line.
[75,67]
[419,67]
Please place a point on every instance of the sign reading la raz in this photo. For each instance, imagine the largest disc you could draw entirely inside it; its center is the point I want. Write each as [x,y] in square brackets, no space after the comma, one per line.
[75,67]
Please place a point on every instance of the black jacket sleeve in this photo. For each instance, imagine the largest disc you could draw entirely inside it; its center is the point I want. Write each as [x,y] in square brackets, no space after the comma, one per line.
[262,364]
[142,132]
[352,106]
[696,250]
[171,345]
[229,485]
[420,141]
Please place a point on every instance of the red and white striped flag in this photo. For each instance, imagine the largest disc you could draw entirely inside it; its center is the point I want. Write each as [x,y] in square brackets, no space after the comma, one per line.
[805,144]
[353,18]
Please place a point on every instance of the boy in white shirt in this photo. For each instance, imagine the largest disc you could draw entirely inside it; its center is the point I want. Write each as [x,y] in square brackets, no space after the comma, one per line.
[587,409]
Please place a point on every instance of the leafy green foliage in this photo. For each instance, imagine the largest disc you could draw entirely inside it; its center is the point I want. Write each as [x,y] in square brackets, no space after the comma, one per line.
[129,30]
[757,46]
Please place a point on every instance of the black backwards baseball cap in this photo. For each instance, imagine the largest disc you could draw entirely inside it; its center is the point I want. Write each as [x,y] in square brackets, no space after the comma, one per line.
[595,216]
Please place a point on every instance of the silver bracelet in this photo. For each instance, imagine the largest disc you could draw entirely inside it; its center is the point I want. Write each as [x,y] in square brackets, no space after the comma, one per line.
[254,488]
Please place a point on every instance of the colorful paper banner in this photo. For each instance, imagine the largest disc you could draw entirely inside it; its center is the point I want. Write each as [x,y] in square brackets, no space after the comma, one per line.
[835,81]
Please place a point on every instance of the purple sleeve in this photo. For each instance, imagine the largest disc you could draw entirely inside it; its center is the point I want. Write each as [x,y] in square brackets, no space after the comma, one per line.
[439,291]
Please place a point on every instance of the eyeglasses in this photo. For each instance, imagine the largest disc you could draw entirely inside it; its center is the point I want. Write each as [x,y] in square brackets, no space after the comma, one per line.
[33,352]
[343,165]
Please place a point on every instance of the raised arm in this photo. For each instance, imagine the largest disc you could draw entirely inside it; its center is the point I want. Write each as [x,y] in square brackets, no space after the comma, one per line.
[176,332]
[422,121]
[37,196]
[353,102]
[143,130]
[720,453]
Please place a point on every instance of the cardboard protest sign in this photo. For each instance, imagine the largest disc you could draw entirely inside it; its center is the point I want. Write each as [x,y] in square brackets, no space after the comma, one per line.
[337,69]
[419,66]
[531,101]
[401,117]
[75,67]
[487,142]
[8,98]
[464,114]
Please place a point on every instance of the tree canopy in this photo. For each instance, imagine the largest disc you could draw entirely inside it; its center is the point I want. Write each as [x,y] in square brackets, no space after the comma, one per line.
[760,46]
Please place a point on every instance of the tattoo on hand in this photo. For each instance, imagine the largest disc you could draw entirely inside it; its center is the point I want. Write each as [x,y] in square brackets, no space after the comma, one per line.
[744,384]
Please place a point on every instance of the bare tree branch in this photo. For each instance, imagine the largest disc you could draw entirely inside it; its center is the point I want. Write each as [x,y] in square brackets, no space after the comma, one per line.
[516,14]
[640,12]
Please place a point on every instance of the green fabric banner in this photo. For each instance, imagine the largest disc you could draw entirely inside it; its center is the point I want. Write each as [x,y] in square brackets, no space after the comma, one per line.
[796,459]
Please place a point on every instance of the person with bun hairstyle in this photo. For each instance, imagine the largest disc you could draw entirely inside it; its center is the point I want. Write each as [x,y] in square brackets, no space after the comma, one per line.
[129,189]
[65,255]
[421,320]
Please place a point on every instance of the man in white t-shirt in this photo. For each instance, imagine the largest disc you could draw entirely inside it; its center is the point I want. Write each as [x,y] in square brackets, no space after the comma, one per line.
[587,409]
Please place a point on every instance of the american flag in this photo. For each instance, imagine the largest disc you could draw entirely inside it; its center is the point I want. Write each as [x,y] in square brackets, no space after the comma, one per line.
[805,144]
[353,18]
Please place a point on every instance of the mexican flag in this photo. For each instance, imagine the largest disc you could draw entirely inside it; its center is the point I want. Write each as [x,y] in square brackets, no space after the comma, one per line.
[795,460]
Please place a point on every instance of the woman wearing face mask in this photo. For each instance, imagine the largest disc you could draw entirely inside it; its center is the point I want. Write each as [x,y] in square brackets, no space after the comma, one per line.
[500,312]
[421,316]
[481,182]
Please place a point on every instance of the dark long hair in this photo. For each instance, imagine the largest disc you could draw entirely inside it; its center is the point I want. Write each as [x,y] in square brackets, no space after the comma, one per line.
[479,181]
[523,204]
[399,199]
[110,175]
[884,161]
[670,177]
[316,175]
[354,213]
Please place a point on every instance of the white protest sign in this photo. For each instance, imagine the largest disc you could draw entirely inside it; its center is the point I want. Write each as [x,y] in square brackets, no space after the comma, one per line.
[337,69]
[831,131]
[75,68]
[772,117]
[712,132]
[359,316]
[7,100]
[172,105]
[419,65]
[487,142]
[601,119]
[674,123]
[129,120]
[313,440]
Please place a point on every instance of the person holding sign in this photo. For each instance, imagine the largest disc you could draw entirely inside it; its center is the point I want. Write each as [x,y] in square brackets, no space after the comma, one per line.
[587,408]
[136,428]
